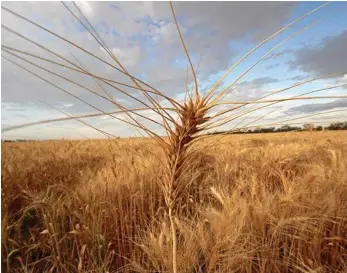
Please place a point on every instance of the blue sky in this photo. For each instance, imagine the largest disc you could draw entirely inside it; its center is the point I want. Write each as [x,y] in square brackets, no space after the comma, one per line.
[143,36]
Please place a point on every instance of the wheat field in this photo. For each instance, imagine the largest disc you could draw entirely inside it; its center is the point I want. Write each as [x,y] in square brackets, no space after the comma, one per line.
[179,199]
[254,203]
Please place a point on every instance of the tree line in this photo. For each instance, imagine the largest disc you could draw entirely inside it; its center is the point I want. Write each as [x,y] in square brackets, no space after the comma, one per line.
[284,128]
[288,128]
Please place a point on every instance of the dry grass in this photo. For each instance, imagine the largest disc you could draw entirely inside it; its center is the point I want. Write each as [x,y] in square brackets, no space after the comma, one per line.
[258,203]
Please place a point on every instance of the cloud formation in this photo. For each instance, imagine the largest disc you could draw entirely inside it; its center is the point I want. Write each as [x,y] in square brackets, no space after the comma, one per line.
[143,36]
[318,107]
[326,58]
[260,81]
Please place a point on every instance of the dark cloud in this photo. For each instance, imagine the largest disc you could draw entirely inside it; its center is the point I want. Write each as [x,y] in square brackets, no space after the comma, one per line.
[298,78]
[260,81]
[327,58]
[271,66]
[317,107]
[280,54]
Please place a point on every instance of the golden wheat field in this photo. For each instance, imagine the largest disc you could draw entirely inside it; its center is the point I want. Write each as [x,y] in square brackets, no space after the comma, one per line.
[196,194]
[253,203]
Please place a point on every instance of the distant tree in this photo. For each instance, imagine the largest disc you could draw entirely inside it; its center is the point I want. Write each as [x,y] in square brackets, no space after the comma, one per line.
[287,128]
[337,126]
[284,128]
[309,127]
[267,130]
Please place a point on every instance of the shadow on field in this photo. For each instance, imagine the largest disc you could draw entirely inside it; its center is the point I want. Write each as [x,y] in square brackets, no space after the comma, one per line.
[23,195]
[40,175]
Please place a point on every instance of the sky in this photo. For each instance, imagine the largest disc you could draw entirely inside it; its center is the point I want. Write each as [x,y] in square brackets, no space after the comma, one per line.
[144,37]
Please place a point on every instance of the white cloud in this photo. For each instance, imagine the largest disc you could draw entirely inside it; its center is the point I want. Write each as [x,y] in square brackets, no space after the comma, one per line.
[86,8]
[128,56]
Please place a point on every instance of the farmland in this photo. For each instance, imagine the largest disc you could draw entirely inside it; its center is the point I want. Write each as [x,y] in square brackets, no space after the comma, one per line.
[251,203]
